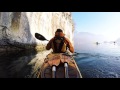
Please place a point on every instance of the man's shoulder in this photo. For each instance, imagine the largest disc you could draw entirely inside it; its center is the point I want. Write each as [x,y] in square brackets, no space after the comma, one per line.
[51,39]
[66,38]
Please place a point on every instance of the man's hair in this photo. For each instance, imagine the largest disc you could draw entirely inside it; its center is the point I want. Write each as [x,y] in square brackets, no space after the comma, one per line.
[59,30]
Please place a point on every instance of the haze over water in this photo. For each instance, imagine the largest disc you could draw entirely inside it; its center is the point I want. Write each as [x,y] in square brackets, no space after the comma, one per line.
[94,37]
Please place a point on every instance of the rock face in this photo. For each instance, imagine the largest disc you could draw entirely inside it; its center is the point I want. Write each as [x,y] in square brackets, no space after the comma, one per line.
[17,29]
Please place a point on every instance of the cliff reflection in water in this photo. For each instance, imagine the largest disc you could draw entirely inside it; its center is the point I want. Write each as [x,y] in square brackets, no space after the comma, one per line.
[22,64]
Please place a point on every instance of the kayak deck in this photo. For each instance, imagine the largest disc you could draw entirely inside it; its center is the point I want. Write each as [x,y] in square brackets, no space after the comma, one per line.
[46,69]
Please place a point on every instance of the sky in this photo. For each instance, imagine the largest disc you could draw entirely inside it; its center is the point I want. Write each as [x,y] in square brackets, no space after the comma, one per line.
[100,23]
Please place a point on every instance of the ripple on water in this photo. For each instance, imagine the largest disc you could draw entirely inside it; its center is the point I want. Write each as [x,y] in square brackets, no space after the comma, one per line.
[99,65]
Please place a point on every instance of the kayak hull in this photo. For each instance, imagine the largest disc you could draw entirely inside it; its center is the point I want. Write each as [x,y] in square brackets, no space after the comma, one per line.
[58,61]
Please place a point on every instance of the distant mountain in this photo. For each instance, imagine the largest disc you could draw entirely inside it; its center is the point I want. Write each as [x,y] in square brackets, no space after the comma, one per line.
[118,41]
[85,37]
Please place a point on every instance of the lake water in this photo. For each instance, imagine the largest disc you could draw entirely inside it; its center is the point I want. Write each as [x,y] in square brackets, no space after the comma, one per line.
[99,61]
[21,64]
[94,61]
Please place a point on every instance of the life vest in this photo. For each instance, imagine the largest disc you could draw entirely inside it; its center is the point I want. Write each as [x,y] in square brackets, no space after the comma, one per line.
[59,45]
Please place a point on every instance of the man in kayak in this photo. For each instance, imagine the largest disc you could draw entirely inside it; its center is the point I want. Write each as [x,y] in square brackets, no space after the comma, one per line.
[59,43]
[59,63]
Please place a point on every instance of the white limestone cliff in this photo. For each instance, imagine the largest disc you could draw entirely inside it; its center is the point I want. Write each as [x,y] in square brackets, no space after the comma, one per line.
[18,28]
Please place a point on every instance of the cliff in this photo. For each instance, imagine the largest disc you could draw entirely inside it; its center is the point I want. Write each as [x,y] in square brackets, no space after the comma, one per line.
[17,29]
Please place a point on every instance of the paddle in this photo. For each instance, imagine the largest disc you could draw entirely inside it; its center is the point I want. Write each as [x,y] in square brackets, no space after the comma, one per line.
[40,37]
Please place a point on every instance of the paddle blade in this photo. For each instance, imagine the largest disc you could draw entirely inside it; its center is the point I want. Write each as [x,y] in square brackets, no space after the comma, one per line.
[40,37]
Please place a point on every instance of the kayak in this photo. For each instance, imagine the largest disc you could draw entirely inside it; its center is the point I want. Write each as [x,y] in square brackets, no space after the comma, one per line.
[59,66]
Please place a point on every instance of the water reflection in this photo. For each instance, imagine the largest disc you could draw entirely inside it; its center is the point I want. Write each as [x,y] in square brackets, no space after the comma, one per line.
[103,48]
[22,64]
[99,61]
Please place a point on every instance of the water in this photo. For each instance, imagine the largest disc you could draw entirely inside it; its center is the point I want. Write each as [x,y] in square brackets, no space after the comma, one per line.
[94,61]
[99,61]
[21,64]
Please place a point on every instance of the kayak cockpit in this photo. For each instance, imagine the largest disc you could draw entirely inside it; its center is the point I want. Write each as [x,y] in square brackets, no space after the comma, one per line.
[59,66]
